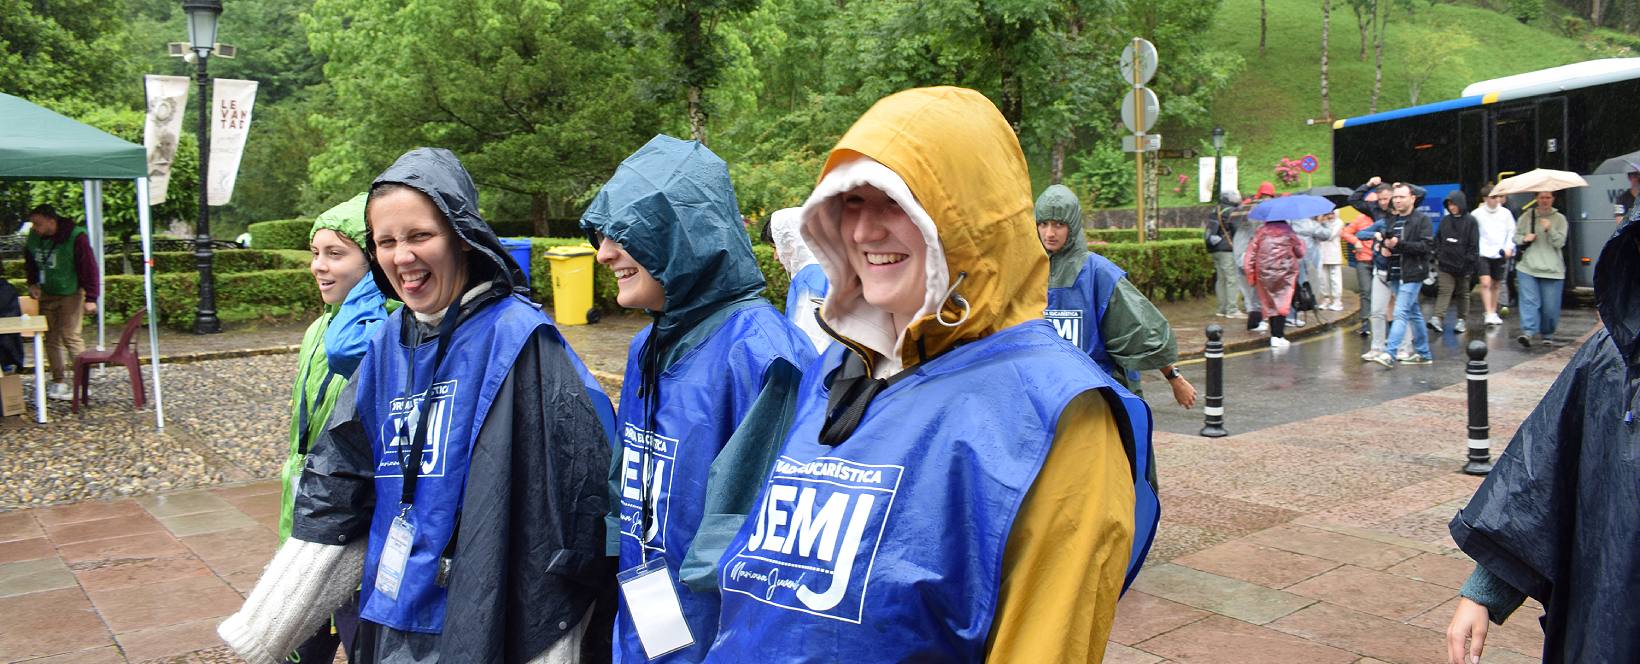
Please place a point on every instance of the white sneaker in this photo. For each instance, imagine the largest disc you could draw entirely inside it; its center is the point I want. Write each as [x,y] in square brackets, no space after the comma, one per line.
[1369,355]
[1461,327]
[1236,314]
[1278,342]
[1262,327]
[1336,306]
[1402,357]
[59,392]
[1492,319]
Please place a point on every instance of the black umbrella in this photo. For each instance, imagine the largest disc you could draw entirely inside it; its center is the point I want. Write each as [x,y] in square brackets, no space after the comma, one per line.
[1338,195]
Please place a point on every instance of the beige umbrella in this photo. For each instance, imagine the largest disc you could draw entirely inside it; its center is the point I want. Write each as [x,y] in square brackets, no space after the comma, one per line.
[1539,179]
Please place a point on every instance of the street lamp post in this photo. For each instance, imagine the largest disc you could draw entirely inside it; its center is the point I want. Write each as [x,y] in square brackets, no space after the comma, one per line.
[1218,166]
[202,15]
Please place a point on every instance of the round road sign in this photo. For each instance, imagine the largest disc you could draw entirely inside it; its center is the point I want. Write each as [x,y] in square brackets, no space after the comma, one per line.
[1145,53]
[1307,164]
[1130,115]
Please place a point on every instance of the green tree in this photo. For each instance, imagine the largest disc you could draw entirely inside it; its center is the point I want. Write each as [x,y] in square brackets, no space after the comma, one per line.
[540,99]
[64,50]
[699,52]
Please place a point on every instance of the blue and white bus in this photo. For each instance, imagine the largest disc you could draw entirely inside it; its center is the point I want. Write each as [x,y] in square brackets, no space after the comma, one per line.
[1572,118]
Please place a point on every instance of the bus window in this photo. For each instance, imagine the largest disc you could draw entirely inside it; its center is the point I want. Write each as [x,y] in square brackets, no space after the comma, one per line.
[1551,132]
[1514,139]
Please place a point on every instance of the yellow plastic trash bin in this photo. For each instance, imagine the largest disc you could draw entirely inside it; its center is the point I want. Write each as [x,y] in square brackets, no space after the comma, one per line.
[572,283]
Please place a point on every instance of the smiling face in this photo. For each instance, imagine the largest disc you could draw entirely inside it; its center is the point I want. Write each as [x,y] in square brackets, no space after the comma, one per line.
[887,250]
[1053,234]
[422,256]
[337,264]
[637,288]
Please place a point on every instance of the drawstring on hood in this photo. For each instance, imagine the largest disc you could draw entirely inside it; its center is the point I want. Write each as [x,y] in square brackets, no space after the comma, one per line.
[671,206]
[1059,203]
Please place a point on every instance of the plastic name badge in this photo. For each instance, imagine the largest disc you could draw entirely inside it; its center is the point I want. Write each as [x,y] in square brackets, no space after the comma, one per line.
[652,602]
[390,569]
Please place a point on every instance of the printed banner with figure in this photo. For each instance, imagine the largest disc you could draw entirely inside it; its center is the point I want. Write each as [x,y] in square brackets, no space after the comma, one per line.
[167,97]
[230,122]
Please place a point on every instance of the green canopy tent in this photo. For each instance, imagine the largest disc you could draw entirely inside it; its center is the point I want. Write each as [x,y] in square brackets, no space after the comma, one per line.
[38,144]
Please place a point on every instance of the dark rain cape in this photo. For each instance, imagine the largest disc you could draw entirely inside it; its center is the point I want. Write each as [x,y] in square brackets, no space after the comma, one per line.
[527,566]
[1558,518]
[709,387]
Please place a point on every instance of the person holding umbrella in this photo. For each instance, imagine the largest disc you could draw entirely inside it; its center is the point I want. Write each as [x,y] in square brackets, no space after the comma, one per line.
[1272,261]
[1540,235]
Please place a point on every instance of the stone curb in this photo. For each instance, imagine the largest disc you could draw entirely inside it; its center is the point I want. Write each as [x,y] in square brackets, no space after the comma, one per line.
[1264,342]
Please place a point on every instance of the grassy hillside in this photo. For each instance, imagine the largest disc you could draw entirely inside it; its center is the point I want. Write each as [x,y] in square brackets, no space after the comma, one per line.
[1263,112]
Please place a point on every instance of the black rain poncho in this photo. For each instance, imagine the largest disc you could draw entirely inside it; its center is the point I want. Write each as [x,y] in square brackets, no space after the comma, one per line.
[1559,516]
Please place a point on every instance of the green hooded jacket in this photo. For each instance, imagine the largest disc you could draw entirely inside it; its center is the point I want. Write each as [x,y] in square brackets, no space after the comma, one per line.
[317,385]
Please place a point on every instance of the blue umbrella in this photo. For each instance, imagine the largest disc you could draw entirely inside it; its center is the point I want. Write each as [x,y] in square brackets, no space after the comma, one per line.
[1288,208]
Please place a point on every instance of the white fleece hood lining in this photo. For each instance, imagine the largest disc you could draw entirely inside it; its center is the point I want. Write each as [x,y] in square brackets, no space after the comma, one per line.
[783,228]
[845,308]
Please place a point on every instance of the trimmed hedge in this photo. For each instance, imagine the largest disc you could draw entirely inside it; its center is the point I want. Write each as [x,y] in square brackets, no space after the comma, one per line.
[242,296]
[280,234]
[1125,235]
[1163,270]
[168,262]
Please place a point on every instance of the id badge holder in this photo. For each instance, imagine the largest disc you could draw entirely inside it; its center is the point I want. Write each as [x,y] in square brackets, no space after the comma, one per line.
[395,553]
[652,602]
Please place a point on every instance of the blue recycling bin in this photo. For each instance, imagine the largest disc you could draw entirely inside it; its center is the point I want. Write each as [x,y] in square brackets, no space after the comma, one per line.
[520,250]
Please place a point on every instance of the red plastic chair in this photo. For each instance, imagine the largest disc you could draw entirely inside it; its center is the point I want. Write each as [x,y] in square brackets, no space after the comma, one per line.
[123,353]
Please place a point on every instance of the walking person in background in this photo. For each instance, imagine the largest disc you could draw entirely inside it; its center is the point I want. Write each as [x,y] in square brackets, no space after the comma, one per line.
[1407,244]
[1220,238]
[1331,270]
[1361,259]
[1316,232]
[1273,264]
[1625,200]
[1092,304]
[61,272]
[1457,251]
[1495,226]
[1242,229]
[1541,232]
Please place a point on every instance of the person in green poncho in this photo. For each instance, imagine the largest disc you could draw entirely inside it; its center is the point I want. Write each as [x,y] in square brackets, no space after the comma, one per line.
[331,350]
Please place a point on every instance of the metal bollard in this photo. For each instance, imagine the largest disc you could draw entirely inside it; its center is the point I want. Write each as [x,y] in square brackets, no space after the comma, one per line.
[1213,402]
[1480,432]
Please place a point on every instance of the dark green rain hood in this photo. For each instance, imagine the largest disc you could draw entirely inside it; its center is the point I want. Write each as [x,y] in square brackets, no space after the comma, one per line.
[670,206]
[1058,203]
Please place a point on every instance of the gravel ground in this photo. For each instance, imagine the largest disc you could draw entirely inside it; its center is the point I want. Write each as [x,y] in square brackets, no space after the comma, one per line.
[226,421]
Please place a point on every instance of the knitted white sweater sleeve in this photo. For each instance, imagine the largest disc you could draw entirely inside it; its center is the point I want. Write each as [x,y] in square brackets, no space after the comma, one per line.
[300,588]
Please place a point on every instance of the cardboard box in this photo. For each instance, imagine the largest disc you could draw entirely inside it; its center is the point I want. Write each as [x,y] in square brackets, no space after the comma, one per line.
[11,395]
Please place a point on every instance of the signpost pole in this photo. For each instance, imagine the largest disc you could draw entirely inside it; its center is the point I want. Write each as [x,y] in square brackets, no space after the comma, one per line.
[1139,142]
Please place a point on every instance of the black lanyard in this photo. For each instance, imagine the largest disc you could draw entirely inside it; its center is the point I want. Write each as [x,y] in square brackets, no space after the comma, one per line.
[412,469]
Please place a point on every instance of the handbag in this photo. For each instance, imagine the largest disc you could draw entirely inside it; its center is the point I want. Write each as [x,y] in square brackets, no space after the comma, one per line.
[1304,300]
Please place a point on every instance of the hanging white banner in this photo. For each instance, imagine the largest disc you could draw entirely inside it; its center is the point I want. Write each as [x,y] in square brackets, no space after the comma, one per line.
[230,122]
[1204,178]
[167,97]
